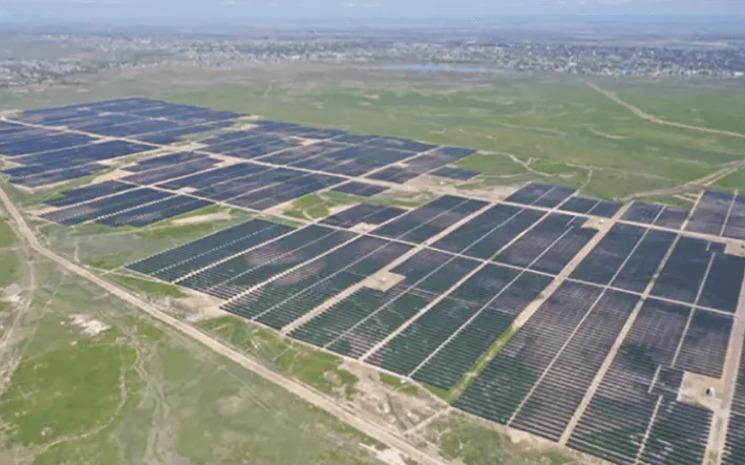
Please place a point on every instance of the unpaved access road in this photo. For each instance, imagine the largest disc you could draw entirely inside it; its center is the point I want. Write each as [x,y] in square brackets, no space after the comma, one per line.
[375,431]
[657,120]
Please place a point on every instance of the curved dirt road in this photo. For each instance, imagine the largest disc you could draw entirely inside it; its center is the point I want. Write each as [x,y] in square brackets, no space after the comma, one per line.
[655,119]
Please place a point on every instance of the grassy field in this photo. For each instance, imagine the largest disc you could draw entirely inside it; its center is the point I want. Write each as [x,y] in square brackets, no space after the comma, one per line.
[136,393]
[96,383]
[555,129]
[7,239]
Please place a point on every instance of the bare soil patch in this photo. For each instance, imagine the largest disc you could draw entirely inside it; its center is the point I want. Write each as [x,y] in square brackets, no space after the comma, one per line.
[701,390]
[199,219]
[89,325]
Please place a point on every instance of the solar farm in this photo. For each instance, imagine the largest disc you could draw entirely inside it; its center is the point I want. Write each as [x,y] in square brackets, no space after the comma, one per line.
[614,329]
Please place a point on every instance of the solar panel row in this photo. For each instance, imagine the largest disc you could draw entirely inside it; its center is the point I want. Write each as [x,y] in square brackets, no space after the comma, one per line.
[625,420]
[719,214]
[458,271]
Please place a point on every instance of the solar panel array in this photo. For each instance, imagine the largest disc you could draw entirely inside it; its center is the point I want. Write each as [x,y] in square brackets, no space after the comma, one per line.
[571,318]
[461,271]
[256,165]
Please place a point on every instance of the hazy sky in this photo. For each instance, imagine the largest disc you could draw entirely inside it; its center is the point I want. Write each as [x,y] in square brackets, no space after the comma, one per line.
[246,10]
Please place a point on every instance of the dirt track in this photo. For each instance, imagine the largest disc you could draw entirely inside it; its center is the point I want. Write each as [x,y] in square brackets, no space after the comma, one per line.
[373,430]
[657,120]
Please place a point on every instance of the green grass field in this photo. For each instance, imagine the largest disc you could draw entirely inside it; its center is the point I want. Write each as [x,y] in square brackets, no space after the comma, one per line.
[7,238]
[136,393]
[555,129]
[132,392]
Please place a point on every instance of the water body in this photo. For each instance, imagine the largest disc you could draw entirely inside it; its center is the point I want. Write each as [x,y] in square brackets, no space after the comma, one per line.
[441,68]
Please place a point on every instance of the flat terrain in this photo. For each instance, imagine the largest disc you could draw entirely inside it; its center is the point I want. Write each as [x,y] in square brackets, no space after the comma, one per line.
[557,129]
[161,398]
[88,380]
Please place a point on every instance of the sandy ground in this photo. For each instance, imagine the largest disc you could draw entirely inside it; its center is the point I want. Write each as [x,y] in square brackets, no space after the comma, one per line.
[383,280]
[12,293]
[199,219]
[198,307]
[388,456]
[89,325]
[694,391]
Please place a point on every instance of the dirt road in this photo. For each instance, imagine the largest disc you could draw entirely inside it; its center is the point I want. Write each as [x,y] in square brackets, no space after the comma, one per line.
[371,429]
[657,120]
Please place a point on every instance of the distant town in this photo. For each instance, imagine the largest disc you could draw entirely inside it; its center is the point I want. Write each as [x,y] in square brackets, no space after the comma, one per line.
[641,57]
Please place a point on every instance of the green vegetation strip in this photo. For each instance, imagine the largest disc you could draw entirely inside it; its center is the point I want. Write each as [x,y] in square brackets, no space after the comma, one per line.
[316,368]
[147,286]
[455,392]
